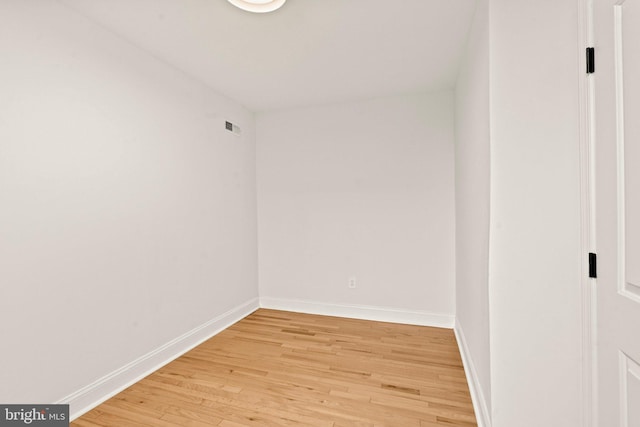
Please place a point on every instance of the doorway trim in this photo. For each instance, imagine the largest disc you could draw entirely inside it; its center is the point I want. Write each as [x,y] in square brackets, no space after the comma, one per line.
[589,366]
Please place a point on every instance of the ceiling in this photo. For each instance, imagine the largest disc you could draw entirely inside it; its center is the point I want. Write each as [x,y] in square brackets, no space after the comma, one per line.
[308,52]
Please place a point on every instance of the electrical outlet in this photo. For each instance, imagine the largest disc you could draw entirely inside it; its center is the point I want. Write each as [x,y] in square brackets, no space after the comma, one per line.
[352,282]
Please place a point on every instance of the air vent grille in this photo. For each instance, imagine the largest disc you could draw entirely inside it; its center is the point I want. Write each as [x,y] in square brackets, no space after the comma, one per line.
[232,128]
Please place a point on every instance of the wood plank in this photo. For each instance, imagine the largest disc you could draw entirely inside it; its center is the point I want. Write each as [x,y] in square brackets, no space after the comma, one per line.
[281,368]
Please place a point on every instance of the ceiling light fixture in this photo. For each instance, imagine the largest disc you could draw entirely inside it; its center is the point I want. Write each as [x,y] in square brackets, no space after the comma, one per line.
[258,6]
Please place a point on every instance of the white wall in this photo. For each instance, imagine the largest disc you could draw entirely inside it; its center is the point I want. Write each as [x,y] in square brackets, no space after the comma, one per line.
[535,213]
[127,214]
[472,208]
[362,189]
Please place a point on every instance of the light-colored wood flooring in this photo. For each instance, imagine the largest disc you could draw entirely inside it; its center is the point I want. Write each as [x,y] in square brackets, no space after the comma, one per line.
[282,368]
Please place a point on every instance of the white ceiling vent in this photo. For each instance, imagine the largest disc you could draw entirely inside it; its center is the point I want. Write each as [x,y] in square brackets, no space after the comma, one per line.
[232,128]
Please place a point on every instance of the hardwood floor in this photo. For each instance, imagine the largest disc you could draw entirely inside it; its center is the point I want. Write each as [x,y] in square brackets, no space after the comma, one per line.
[282,368]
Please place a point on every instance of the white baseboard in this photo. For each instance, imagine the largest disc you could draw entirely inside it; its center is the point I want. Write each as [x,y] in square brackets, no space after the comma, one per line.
[477,396]
[111,384]
[380,314]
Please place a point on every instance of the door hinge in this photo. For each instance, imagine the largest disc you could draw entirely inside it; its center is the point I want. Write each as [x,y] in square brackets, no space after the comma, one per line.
[591,60]
[593,265]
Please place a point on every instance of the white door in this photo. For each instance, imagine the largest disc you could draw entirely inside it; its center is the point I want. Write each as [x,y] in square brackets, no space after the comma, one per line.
[617,139]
